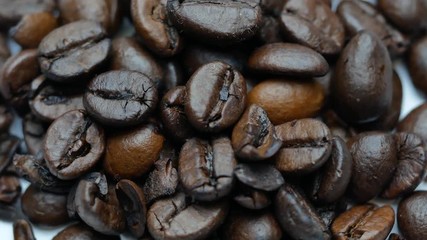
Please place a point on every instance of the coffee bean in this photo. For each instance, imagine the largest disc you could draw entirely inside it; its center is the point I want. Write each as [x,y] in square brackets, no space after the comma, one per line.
[34,131]
[313,24]
[288,59]
[269,31]
[173,75]
[4,50]
[81,231]
[120,98]
[306,146]
[73,51]
[178,218]
[8,146]
[10,188]
[364,222]
[73,145]
[22,230]
[6,118]
[216,22]
[374,162]
[285,100]
[153,25]
[412,216]
[297,217]
[254,137]
[216,95]
[407,15]
[416,122]
[259,176]
[362,87]
[206,168]
[162,180]
[417,63]
[337,126]
[251,198]
[329,212]
[12,11]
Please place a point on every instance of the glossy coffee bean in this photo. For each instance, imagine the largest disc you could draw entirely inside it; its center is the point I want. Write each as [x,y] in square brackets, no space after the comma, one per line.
[34,131]
[206,168]
[132,153]
[22,230]
[251,198]
[254,137]
[407,15]
[44,208]
[216,96]
[73,51]
[81,231]
[374,162]
[297,217]
[12,11]
[285,100]
[120,98]
[178,218]
[313,24]
[32,28]
[263,177]
[10,188]
[97,205]
[8,147]
[288,59]
[306,146]
[364,222]
[216,22]
[416,122]
[4,49]
[162,181]
[358,15]
[417,63]
[412,216]
[73,145]
[362,87]
[155,28]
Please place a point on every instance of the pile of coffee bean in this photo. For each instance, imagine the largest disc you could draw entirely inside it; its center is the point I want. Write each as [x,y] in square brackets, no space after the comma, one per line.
[213,119]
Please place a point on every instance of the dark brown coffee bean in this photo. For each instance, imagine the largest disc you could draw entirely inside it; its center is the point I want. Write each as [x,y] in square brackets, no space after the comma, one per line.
[132,199]
[32,28]
[216,96]
[259,176]
[407,15]
[206,168]
[162,180]
[374,162]
[254,137]
[288,59]
[362,87]
[417,63]
[74,51]
[120,98]
[97,205]
[34,131]
[154,27]
[306,146]
[297,217]
[73,145]
[331,182]
[12,11]
[416,122]
[359,15]
[10,188]
[328,213]
[178,218]
[285,100]
[364,222]
[312,23]
[412,216]
[44,208]
[22,230]
[251,198]
[81,231]
[217,21]
[128,55]
[8,146]
[337,126]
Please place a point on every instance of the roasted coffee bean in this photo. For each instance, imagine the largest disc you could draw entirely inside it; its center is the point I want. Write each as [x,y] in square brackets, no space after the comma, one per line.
[73,145]
[285,100]
[153,25]
[10,188]
[74,51]
[44,208]
[173,75]
[162,180]
[407,15]
[8,146]
[6,118]
[288,59]
[120,98]
[132,153]
[34,131]
[259,176]
[81,231]
[216,96]
[269,31]
[32,28]
[251,198]
[4,50]
[243,225]
[107,12]
[362,87]
[364,222]
[417,63]
[12,11]
[254,137]
[330,183]
[359,15]
[178,218]
[217,21]
[22,230]
[312,23]
[416,122]
[412,216]
[374,162]
[297,217]
[97,205]
[132,199]
[128,55]
[395,236]
[206,168]
[306,146]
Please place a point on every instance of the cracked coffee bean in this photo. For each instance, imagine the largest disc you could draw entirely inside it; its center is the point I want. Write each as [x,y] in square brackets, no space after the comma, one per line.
[411,216]
[263,177]
[22,230]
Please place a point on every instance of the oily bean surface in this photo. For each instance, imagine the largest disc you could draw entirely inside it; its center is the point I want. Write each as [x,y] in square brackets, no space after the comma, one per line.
[263,177]
[412,215]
